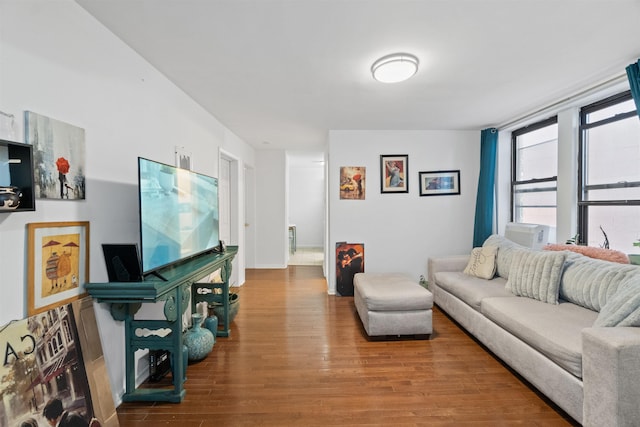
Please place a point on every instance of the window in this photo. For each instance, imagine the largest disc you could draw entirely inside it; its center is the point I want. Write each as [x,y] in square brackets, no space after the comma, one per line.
[609,173]
[534,173]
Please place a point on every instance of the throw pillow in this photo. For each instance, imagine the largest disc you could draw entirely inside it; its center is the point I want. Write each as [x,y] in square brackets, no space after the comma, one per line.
[536,274]
[623,308]
[482,262]
[592,252]
[506,249]
[591,282]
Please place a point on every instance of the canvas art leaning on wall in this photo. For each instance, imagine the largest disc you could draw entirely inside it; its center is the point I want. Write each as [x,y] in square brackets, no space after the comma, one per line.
[53,366]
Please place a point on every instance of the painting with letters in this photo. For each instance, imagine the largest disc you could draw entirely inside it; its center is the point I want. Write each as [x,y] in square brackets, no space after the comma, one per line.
[43,363]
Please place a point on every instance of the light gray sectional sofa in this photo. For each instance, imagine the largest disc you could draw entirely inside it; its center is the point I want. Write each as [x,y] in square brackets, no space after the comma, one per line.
[560,319]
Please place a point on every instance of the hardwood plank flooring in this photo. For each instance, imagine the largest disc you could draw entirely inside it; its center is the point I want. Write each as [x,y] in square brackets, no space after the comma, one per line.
[297,356]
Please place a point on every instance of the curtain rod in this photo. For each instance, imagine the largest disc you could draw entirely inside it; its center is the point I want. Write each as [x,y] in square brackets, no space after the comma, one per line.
[11,116]
[555,106]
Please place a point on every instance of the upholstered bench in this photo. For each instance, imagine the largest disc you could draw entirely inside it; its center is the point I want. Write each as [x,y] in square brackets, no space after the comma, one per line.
[392,304]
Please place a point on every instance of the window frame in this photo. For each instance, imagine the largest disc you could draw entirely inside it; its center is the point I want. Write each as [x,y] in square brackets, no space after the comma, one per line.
[583,203]
[514,164]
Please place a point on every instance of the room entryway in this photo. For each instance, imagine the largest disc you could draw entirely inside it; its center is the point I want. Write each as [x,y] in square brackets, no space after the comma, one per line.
[306,207]
[307,256]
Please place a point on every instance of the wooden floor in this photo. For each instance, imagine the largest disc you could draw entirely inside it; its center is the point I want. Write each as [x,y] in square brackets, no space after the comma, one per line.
[297,356]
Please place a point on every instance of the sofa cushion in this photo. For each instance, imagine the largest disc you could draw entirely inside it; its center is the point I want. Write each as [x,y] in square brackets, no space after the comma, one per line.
[623,308]
[554,330]
[591,282]
[482,262]
[506,249]
[536,274]
[471,290]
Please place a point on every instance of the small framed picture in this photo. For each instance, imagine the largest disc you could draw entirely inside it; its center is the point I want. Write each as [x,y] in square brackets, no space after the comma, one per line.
[439,183]
[58,262]
[352,182]
[394,169]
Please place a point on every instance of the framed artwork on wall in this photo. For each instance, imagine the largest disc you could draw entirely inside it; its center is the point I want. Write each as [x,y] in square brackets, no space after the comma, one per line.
[394,169]
[352,182]
[58,157]
[58,264]
[439,183]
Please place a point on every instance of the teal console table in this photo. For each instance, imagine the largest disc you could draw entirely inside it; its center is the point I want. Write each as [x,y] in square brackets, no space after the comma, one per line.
[174,291]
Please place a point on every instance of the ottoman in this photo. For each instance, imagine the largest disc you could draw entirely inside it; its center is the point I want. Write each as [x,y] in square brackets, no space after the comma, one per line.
[392,304]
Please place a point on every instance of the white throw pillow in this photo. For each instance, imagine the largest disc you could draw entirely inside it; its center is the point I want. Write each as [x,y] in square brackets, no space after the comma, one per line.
[536,274]
[482,262]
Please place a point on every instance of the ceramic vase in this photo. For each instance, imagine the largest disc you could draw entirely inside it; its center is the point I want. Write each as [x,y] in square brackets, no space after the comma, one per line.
[199,340]
[211,323]
[234,306]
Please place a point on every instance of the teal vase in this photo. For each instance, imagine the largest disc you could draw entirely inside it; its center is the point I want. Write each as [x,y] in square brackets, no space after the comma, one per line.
[199,341]
[211,323]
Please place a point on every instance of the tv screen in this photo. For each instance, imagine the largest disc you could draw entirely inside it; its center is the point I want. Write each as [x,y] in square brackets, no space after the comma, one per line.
[178,214]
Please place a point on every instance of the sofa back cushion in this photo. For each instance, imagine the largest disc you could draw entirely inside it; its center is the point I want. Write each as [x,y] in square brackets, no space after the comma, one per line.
[536,274]
[506,249]
[623,307]
[591,282]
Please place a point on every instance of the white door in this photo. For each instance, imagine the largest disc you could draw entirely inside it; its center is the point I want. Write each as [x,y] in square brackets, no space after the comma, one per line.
[224,194]
[249,218]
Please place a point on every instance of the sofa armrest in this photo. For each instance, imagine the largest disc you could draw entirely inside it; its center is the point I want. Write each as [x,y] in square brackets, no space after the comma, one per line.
[446,263]
[611,376]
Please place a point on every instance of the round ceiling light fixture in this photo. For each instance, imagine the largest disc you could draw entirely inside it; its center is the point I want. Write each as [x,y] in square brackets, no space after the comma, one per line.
[395,68]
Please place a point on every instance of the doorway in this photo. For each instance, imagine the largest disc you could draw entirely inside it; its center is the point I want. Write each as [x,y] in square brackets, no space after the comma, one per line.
[306,215]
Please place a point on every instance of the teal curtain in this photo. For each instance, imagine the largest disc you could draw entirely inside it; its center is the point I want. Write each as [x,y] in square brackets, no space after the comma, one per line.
[486,182]
[633,73]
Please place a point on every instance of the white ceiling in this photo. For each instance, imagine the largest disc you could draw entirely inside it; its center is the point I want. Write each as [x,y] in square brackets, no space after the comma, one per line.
[284,72]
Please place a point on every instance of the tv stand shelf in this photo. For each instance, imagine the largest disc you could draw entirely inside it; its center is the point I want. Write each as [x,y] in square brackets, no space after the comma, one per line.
[126,298]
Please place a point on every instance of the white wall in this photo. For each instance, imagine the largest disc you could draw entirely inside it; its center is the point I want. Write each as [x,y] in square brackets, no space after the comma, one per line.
[306,203]
[272,228]
[56,60]
[400,231]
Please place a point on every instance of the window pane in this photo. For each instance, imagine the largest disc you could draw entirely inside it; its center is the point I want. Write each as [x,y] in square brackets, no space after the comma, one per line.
[621,223]
[545,216]
[613,152]
[535,203]
[630,193]
[605,113]
[537,154]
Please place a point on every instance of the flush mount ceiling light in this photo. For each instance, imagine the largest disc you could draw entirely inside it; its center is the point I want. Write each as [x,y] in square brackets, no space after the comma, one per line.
[395,68]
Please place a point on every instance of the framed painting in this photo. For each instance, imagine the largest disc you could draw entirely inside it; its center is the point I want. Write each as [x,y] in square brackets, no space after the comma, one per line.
[353,182]
[439,183]
[58,264]
[394,170]
[58,157]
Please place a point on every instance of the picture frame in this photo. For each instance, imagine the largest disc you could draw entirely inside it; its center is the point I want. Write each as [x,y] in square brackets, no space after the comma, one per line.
[394,170]
[58,264]
[440,183]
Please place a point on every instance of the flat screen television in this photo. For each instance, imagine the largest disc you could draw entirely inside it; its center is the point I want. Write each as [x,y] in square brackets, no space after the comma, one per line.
[178,214]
